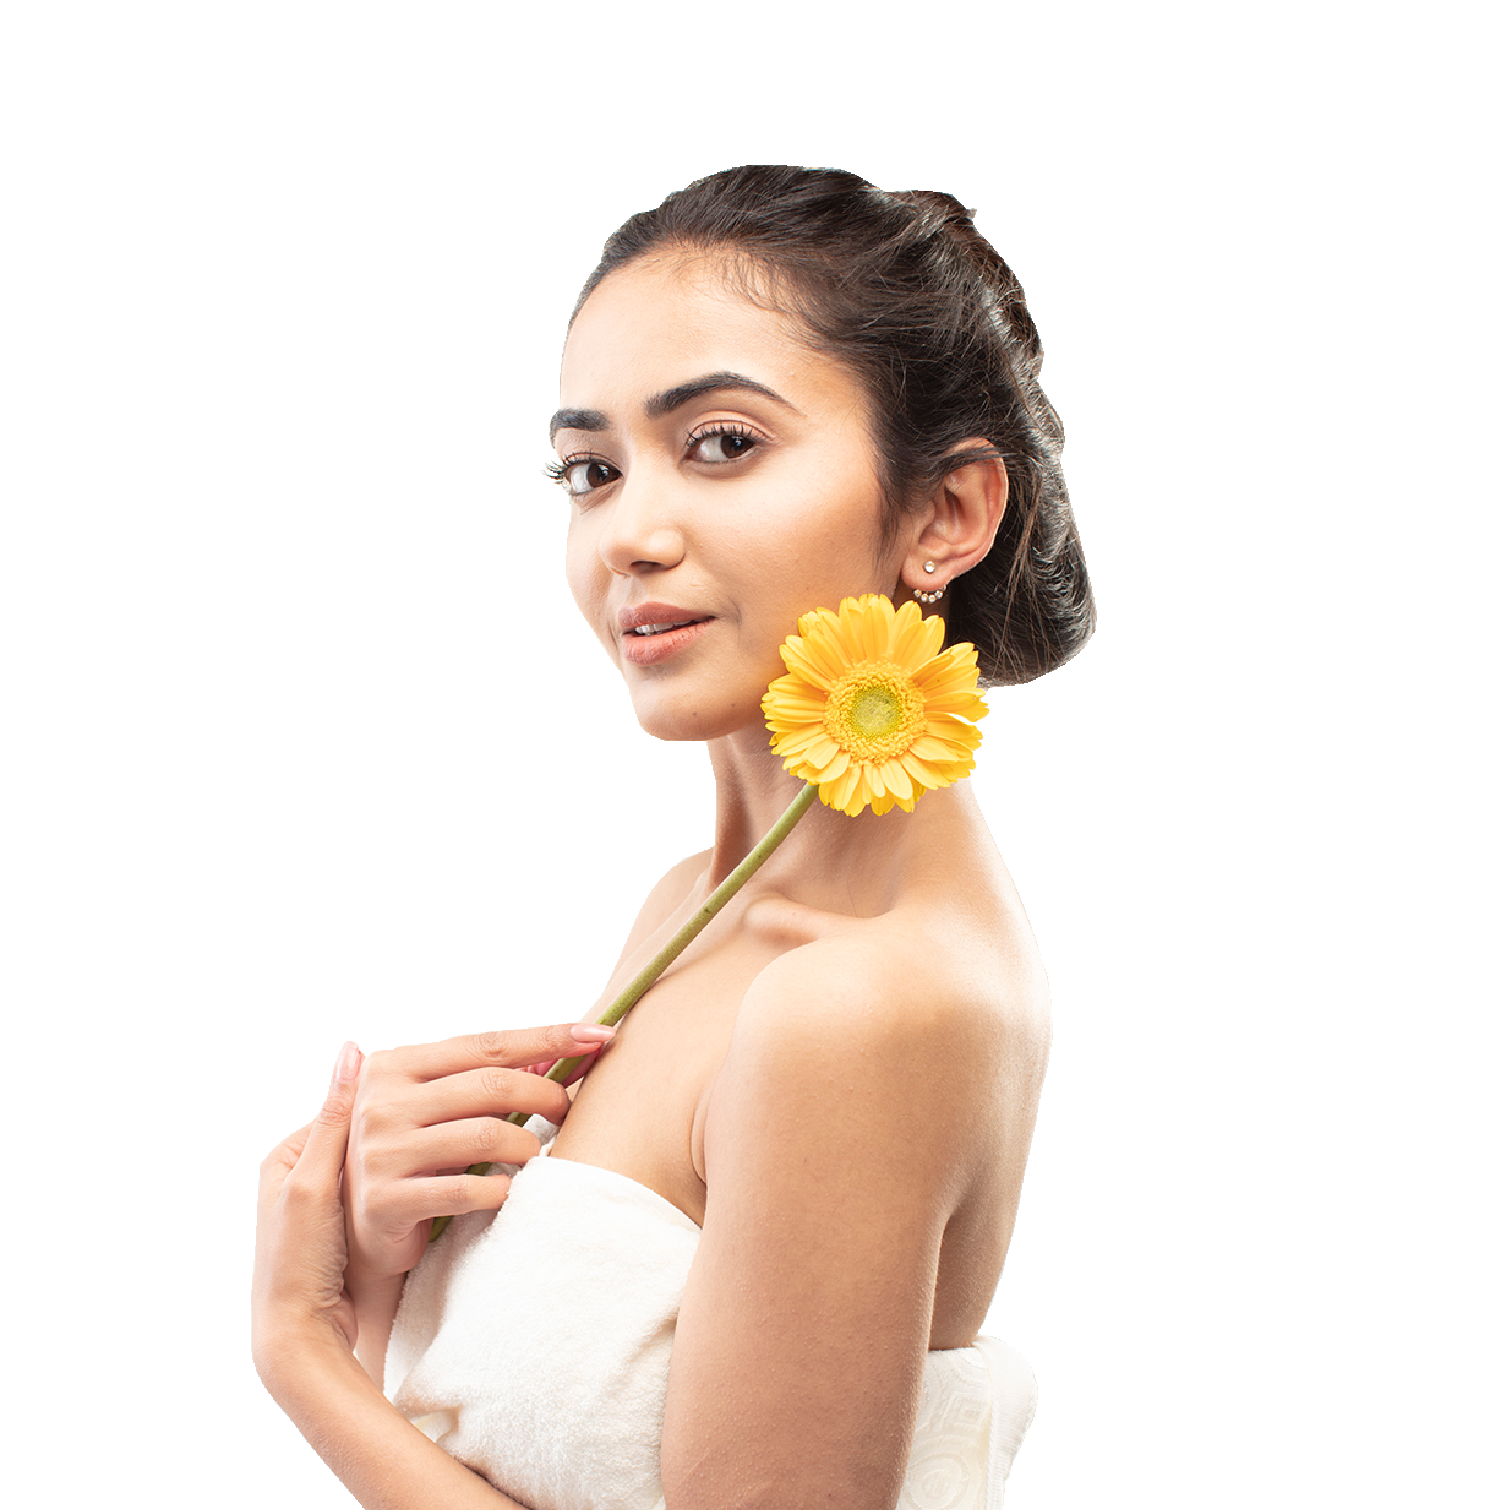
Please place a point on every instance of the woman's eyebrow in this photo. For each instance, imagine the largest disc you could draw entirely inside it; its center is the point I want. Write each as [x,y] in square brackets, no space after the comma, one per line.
[673,398]
[577,419]
[660,404]
[663,403]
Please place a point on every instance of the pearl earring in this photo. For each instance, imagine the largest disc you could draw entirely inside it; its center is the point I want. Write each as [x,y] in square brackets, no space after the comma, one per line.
[929,597]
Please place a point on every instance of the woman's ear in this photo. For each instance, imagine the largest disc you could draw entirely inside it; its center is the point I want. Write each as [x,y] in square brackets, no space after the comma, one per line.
[957,523]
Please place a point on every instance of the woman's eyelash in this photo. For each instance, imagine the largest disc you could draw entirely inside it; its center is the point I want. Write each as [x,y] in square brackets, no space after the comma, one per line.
[558,470]
[594,473]
[721,427]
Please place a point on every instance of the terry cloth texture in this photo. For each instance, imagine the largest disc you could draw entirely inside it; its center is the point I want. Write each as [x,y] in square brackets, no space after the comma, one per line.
[534,1345]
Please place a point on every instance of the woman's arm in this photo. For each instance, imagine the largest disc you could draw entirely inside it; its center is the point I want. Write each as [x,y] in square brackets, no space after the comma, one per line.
[386,1463]
[305,1321]
[844,1129]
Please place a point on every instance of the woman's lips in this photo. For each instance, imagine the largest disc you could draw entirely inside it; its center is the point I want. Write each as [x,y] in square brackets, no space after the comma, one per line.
[647,640]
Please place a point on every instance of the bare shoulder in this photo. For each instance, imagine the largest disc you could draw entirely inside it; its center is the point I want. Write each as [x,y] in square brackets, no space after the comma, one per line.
[897,1020]
[675,884]
[665,897]
[908,991]
[878,1098]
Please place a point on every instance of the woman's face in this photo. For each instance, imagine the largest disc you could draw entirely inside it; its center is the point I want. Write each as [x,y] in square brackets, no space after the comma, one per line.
[722,482]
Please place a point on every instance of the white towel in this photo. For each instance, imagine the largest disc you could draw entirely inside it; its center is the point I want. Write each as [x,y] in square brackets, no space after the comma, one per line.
[535,1346]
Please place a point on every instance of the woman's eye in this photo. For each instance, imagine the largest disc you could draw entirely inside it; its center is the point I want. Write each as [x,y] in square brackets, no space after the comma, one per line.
[579,477]
[722,445]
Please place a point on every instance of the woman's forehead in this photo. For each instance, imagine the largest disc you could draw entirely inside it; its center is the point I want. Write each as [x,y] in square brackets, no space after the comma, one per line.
[665,304]
[668,321]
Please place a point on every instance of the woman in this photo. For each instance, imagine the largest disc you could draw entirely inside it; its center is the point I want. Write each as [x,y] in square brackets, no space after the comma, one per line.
[777,1213]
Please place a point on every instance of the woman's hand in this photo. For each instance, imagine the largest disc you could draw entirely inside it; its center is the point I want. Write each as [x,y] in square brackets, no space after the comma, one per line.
[424,1115]
[304,1310]
[298,1284]
[304,1324]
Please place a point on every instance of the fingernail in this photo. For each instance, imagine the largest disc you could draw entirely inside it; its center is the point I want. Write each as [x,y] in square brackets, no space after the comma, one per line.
[348,1062]
[591,1032]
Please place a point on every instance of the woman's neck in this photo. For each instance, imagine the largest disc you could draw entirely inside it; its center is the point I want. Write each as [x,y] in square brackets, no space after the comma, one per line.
[829,860]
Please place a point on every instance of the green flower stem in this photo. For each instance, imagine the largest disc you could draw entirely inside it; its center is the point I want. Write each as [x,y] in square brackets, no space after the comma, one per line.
[563,1069]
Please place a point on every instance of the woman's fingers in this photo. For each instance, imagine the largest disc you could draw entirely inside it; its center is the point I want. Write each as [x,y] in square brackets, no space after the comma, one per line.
[324,1140]
[444,1082]
[486,1093]
[411,1204]
[397,1207]
[424,1114]
[317,1150]
[473,1140]
[507,1048]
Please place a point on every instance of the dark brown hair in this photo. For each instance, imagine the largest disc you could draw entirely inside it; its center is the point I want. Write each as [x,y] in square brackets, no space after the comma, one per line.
[906,292]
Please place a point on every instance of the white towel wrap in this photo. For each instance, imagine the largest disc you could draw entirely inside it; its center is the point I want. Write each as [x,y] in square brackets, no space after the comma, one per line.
[535,1346]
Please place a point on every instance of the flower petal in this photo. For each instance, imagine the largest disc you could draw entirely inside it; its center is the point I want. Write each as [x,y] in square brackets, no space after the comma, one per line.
[895,778]
[915,644]
[822,713]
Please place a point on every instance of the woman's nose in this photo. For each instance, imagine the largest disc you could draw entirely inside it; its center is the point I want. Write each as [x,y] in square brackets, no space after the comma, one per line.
[641,534]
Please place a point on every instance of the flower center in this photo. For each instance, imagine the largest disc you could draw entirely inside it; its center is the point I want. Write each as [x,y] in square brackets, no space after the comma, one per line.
[875,712]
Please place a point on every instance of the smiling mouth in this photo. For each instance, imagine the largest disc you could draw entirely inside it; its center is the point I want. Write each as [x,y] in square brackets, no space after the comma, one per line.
[660,641]
[664,628]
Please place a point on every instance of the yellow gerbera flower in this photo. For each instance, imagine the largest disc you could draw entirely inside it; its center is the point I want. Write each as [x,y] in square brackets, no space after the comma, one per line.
[869,710]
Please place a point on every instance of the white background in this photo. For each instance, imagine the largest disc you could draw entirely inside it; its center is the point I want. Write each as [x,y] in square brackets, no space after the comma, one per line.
[304,742]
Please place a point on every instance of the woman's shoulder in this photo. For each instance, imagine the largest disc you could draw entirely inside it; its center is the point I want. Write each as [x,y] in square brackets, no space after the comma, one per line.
[666,897]
[911,1005]
[862,1062]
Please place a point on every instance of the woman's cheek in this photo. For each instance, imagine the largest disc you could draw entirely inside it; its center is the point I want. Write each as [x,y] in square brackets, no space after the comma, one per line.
[586,583]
